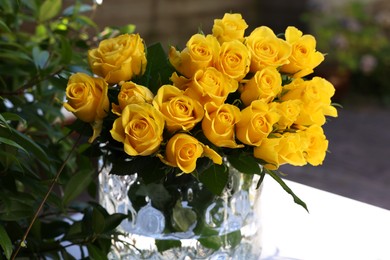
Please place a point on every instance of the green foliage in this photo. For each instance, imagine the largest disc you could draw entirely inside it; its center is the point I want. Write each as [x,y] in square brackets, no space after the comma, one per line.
[41,43]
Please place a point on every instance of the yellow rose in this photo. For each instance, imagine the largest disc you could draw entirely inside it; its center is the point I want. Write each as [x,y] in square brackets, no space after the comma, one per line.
[267,49]
[200,52]
[304,57]
[288,110]
[230,27]
[287,148]
[183,150]
[256,123]
[119,59]
[180,112]
[265,85]
[234,59]
[268,152]
[131,93]
[315,95]
[207,85]
[87,99]
[219,122]
[318,145]
[139,128]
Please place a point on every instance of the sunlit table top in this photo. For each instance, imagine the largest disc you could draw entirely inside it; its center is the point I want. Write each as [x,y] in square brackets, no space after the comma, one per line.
[335,228]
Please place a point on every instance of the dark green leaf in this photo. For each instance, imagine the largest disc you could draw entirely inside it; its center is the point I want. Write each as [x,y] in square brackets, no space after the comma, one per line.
[215,178]
[98,221]
[158,66]
[163,245]
[213,242]
[232,239]
[158,194]
[66,51]
[5,242]
[95,253]
[244,164]
[4,27]
[76,185]
[12,143]
[49,9]
[112,221]
[276,177]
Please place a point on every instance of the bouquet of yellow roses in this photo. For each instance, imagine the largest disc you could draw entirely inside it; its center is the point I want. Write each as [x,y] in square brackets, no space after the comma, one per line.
[225,100]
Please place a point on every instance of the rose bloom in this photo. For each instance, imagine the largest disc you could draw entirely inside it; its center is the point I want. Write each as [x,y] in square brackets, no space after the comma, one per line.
[139,128]
[234,60]
[200,52]
[180,112]
[318,145]
[315,95]
[207,85]
[230,27]
[256,123]
[267,49]
[304,57]
[288,110]
[87,99]
[265,85]
[219,122]
[131,93]
[183,150]
[118,59]
[287,148]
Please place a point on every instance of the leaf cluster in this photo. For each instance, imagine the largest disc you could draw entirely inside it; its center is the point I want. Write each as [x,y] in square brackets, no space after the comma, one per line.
[41,43]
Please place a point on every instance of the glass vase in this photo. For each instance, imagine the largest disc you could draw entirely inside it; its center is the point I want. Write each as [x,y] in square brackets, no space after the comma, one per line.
[181,219]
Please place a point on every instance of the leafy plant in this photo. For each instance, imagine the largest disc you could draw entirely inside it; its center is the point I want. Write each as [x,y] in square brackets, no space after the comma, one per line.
[45,179]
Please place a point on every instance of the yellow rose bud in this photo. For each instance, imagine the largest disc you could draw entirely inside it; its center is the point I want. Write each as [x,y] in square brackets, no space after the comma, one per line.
[234,60]
[318,145]
[268,151]
[265,85]
[267,49]
[288,110]
[119,59]
[219,122]
[200,52]
[304,57]
[87,99]
[207,85]
[183,150]
[180,112]
[139,128]
[287,148]
[131,93]
[230,27]
[315,95]
[256,123]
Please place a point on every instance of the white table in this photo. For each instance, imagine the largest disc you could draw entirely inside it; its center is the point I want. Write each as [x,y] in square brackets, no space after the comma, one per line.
[337,228]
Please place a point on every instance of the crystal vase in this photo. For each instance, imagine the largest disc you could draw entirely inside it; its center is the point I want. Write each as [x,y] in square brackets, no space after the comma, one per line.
[181,219]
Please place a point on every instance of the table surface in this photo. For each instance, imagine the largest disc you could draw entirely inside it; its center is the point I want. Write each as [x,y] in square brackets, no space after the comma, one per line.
[335,228]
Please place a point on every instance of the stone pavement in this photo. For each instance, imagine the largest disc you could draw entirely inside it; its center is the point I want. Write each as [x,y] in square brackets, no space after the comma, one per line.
[358,165]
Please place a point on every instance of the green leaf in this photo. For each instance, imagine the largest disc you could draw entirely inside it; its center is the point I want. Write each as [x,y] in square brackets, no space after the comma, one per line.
[96,253]
[49,9]
[98,221]
[163,245]
[27,143]
[232,239]
[4,27]
[276,177]
[40,57]
[182,218]
[76,185]
[245,164]
[158,194]
[158,66]
[215,178]
[12,143]
[5,242]
[66,50]
[112,221]
[213,242]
